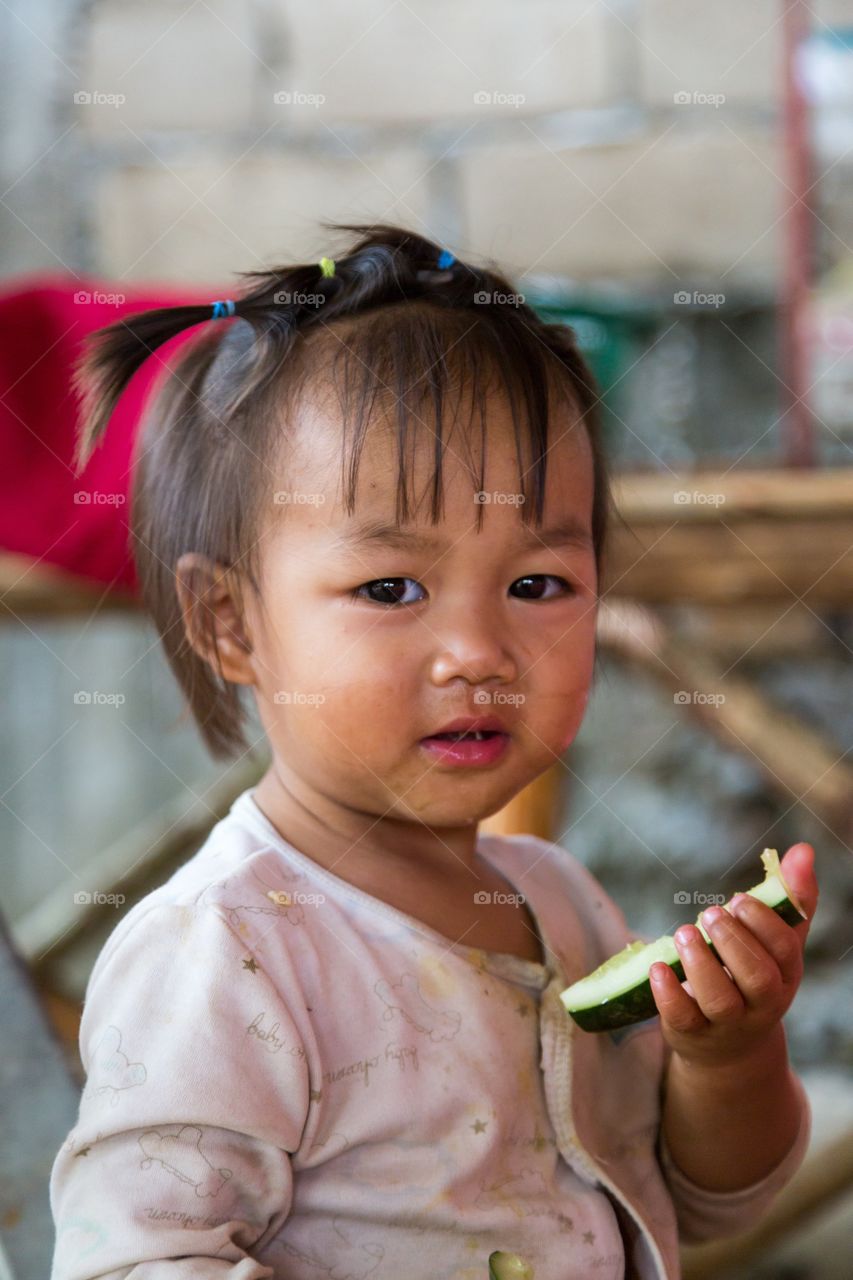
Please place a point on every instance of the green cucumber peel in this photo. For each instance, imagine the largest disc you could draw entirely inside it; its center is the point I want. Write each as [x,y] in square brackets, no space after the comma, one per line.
[508,1266]
[619,991]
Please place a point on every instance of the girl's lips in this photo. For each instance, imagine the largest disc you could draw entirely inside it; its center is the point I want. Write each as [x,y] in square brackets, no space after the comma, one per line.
[466,751]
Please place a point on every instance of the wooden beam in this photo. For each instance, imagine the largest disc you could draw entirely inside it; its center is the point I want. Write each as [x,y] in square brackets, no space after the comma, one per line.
[799,763]
[30,587]
[176,829]
[824,493]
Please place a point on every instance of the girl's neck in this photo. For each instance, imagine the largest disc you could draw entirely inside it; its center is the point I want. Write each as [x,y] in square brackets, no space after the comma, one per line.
[365,849]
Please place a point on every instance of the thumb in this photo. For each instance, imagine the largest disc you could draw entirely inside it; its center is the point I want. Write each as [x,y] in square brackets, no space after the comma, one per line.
[797,867]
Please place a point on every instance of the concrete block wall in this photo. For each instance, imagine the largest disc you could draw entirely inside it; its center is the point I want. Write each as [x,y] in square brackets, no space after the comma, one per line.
[636,139]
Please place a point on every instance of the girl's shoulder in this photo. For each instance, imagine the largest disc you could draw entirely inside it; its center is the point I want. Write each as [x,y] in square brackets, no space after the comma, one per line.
[228,867]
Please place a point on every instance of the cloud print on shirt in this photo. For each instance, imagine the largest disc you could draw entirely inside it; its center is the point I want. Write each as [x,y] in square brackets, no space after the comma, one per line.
[180,1154]
[111,1071]
[404,999]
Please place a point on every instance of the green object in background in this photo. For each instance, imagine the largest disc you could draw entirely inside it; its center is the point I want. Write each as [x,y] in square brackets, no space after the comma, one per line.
[612,334]
[606,341]
[508,1266]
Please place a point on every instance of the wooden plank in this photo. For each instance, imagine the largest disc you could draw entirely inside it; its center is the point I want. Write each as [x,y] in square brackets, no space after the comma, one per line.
[33,587]
[824,492]
[728,536]
[717,562]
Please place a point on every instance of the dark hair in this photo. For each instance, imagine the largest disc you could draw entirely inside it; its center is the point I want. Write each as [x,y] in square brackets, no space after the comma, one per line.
[407,332]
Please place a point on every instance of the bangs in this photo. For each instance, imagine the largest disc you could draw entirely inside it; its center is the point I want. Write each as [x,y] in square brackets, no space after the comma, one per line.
[423,370]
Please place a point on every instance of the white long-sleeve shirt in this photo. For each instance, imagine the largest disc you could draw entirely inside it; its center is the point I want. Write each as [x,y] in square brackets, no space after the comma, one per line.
[289,1079]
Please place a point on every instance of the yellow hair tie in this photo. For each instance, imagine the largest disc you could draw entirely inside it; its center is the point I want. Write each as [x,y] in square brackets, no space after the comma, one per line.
[327,266]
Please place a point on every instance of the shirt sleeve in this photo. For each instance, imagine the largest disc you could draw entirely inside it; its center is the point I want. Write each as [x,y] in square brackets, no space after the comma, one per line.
[196,1094]
[709,1215]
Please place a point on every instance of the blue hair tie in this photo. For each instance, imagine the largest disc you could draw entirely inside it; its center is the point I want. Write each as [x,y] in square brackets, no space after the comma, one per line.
[223,308]
[445,259]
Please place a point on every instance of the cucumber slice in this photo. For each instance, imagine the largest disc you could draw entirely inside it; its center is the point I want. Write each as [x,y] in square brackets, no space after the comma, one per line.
[508,1266]
[619,992]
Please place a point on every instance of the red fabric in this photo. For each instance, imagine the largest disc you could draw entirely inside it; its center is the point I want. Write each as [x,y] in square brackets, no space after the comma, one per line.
[42,324]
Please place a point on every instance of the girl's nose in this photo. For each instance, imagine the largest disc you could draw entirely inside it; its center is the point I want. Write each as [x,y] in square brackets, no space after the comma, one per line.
[476,656]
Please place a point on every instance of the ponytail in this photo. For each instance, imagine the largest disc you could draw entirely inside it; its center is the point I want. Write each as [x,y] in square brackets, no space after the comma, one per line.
[112,356]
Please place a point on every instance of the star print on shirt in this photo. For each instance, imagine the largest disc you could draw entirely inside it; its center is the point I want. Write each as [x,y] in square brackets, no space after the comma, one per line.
[478,1126]
[251,965]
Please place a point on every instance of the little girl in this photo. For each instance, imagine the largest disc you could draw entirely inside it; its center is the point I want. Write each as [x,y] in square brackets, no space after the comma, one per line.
[331,1046]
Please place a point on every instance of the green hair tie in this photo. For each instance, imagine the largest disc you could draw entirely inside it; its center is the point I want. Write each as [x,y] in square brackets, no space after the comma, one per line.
[327,265]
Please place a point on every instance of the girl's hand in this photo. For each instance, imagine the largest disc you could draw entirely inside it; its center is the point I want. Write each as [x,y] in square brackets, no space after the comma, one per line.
[729,1013]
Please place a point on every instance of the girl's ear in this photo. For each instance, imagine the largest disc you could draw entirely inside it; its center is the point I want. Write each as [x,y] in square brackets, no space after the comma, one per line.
[213,617]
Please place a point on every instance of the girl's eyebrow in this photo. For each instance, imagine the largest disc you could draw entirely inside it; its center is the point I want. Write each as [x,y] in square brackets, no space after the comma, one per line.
[566,532]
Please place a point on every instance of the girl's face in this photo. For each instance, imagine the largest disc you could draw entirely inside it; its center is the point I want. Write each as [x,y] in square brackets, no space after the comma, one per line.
[364,646]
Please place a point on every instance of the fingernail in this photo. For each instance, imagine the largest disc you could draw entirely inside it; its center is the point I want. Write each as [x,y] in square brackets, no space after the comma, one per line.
[685,935]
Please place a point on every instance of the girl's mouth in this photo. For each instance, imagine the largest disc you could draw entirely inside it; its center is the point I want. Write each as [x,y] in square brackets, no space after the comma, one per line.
[478,734]
[479,747]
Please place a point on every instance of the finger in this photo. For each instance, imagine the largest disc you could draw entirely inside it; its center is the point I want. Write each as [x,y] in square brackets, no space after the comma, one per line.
[756,974]
[797,869]
[717,996]
[782,942]
[674,1005]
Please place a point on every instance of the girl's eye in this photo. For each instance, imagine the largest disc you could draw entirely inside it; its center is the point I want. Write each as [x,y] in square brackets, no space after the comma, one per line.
[389,586]
[392,591]
[534,582]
